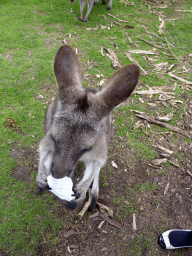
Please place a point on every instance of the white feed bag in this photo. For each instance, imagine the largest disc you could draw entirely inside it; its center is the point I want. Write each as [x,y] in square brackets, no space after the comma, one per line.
[61,187]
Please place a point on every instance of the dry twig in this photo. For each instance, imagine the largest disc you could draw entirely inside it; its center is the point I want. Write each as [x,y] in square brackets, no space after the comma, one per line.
[117,18]
[179,78]
[134,61]
[112,222]
[86,206]
[147,42]
[168,126]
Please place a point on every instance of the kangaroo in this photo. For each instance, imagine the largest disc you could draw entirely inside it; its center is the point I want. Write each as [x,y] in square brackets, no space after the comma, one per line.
[90,5]
[78,124]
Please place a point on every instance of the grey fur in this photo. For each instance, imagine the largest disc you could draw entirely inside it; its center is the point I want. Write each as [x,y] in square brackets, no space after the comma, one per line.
[90,5]
[78,123]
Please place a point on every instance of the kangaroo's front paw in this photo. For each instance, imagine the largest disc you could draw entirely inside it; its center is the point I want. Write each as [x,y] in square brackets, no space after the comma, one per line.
[41,181]
[75,202]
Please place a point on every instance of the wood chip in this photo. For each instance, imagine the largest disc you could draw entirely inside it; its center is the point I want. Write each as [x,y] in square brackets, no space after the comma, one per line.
[165,149]
[189,173]
[69,233]
[137,125]
[134,222]
[175,164]
[110,221]
[101,224]
[166,188]
[114,164]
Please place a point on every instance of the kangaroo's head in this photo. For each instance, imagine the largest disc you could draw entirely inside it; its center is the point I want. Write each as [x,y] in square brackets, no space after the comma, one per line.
[79,118]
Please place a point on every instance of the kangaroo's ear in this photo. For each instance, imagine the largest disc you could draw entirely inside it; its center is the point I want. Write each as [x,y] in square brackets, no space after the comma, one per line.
[67,68]
[116,90]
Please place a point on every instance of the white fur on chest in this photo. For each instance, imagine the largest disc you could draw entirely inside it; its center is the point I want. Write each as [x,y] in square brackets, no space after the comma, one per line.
[61,187]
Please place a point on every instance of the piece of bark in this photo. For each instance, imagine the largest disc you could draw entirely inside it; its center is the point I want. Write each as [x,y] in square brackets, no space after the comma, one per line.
[175,164]
[166,189]
[69,233]
[158,162]
[168,126]
[165,149]
[113,57]
[94,215]
[101,224]
[110,221]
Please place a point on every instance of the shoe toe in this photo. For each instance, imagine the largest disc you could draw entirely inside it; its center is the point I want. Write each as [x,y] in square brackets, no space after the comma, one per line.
[161,241]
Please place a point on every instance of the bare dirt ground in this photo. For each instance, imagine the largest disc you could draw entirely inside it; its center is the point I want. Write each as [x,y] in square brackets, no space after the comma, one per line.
[155,209]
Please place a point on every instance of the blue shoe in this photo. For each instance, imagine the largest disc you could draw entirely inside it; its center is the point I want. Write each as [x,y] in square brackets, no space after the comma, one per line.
[176,238]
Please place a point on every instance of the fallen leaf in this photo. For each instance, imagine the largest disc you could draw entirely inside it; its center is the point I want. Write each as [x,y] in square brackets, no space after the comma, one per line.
[40,96]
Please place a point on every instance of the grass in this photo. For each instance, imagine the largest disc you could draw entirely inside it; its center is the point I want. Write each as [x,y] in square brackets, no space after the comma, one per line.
[31,32]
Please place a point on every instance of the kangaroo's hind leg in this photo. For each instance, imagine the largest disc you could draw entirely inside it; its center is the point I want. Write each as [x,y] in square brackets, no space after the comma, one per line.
[82,3]
[90,5]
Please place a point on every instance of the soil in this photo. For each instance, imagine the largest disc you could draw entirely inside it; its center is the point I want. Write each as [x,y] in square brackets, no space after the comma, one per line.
[155,209]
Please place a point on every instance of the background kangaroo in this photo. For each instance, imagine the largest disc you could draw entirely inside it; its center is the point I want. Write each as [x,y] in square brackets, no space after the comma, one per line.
[90,5]
[78,124]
